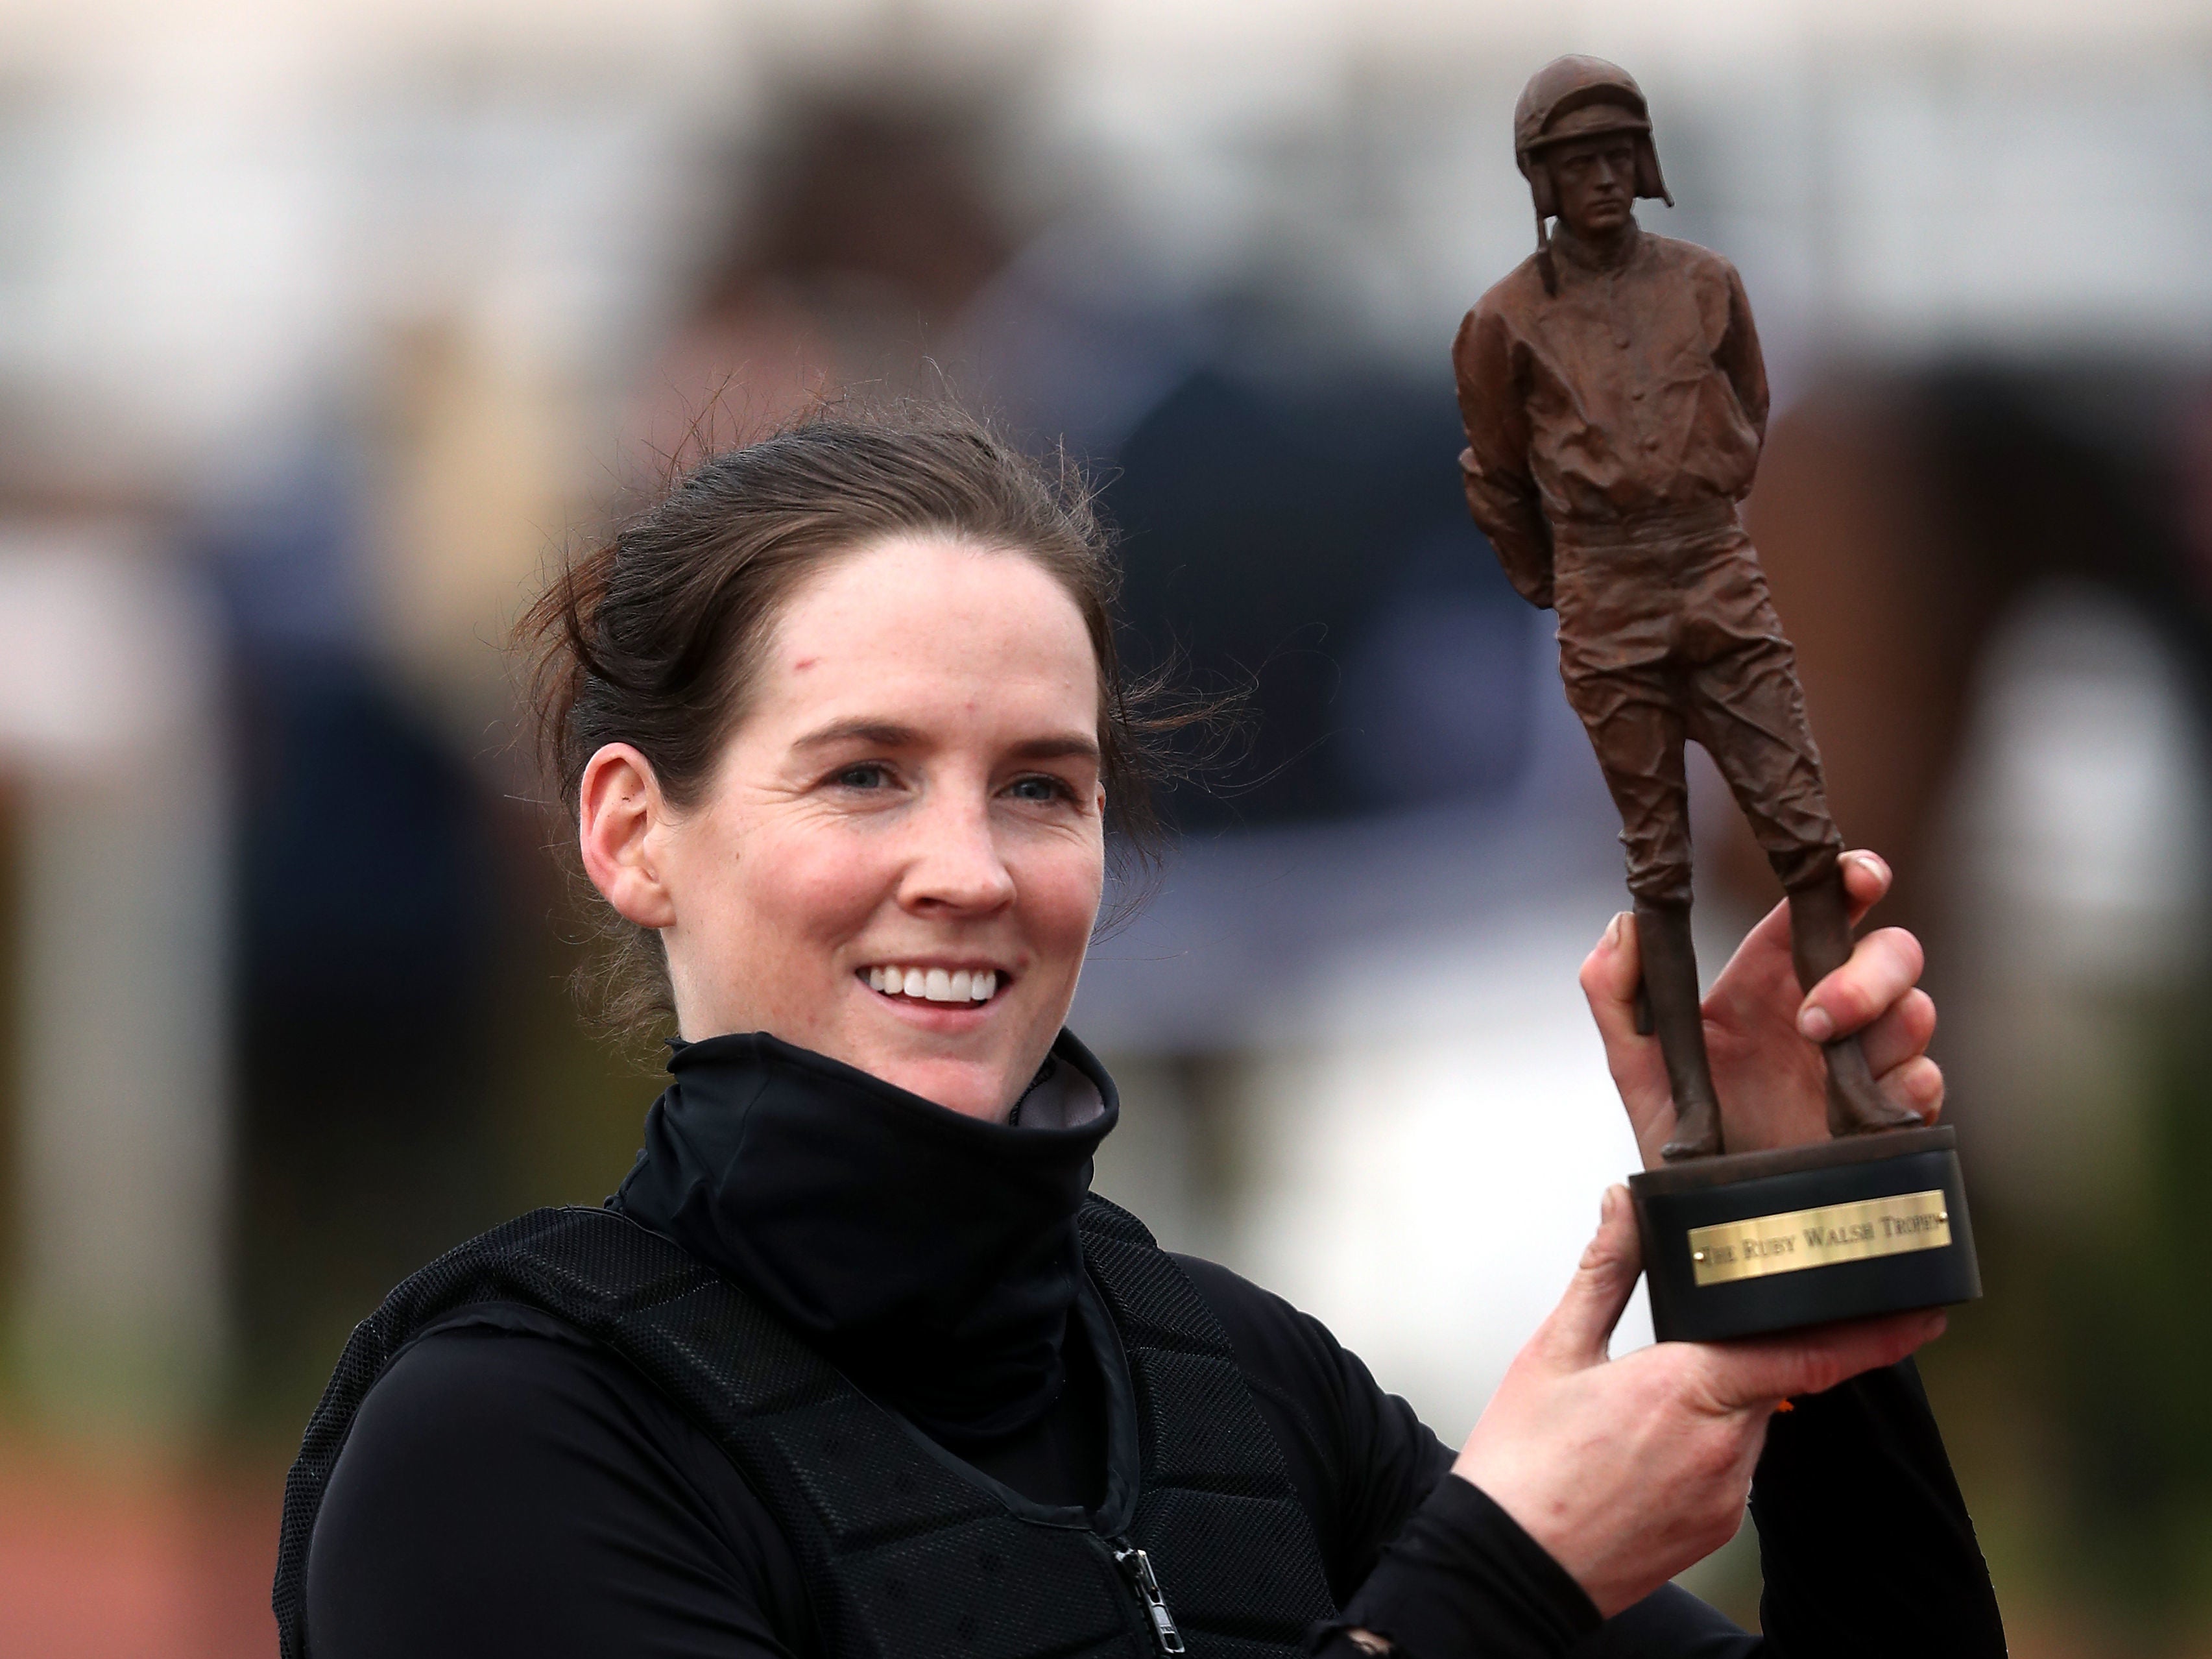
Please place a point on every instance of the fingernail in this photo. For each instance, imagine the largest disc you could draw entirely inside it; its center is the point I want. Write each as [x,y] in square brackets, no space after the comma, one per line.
[1613,930]
[1872,861]
[1814,1022]
[1605,1204]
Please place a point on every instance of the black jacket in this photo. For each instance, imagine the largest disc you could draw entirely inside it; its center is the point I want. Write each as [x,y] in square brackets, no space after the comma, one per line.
[510,1487]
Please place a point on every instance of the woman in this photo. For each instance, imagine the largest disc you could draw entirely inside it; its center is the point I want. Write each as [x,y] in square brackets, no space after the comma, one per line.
[851,1364]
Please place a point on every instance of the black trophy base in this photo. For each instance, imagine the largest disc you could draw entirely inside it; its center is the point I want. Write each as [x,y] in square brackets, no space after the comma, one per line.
[1745,1244]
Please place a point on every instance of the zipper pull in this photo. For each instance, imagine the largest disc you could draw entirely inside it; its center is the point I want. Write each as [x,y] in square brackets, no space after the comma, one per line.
[1139,1567]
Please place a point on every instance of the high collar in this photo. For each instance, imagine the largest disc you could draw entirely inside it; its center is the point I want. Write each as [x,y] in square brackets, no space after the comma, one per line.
[931,1256]
[1584,256]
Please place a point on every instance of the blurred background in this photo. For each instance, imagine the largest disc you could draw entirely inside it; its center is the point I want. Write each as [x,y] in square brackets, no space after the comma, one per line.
[324,329]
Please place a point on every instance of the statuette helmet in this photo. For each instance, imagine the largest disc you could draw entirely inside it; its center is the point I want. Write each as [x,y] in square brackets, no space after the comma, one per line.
[1578,97]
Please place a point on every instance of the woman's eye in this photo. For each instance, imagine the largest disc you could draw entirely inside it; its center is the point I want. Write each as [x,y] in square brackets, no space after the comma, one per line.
[1040,789]
[862,777]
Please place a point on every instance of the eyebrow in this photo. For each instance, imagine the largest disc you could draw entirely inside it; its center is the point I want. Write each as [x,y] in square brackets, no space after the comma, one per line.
[1058,748]
[882,734]
[889,734]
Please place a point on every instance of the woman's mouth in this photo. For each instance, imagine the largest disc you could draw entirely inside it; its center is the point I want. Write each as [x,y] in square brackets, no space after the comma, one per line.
[954,985]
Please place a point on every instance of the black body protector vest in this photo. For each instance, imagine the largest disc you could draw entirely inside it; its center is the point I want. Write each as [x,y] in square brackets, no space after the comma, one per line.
[904,1549]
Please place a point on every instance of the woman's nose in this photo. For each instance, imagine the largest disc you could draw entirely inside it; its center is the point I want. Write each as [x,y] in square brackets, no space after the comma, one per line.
[955,862]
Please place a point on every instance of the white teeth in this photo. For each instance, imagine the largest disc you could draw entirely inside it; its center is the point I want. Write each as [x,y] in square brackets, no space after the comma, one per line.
[935,984]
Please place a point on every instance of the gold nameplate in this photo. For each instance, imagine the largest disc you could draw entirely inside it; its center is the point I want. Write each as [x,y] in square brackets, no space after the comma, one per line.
[1798,1239]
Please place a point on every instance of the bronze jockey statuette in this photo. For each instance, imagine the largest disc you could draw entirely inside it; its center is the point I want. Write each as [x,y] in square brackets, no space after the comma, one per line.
[1615,402]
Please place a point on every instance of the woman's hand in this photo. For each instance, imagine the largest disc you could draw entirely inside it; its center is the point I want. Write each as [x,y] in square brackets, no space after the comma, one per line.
[1763,1032]
[1627,1471]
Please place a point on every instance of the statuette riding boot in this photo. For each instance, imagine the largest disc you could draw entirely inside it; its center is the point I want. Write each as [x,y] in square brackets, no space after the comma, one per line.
[1820,942]
[1670,984]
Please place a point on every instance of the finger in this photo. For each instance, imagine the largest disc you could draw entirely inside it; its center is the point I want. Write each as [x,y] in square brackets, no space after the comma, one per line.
[1767,943]
[1901,1033]
[1867,881]
[1883,967]
[1743,1376]
[1575,1335]
[1610,976]
[1916,1085]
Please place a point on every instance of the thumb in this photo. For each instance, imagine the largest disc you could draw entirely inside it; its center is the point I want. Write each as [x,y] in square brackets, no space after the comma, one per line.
[1577,1332]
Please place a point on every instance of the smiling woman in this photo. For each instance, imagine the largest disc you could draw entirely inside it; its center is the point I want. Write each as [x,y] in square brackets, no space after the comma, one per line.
[899,809]
[853,1363]
[663,640]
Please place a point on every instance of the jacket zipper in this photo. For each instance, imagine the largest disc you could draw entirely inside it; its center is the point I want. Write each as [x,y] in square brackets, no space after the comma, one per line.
[1136,1566]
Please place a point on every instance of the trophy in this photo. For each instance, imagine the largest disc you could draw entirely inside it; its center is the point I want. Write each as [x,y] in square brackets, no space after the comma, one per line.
[1615,401]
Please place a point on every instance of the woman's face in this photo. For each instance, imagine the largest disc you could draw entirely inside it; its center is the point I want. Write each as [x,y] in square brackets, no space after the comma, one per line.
[899,857]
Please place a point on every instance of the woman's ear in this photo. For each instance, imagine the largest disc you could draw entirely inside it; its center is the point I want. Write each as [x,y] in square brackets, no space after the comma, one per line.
[621,820]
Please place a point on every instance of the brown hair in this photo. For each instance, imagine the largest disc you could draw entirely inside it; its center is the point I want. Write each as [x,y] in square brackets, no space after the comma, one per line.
[653,637]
